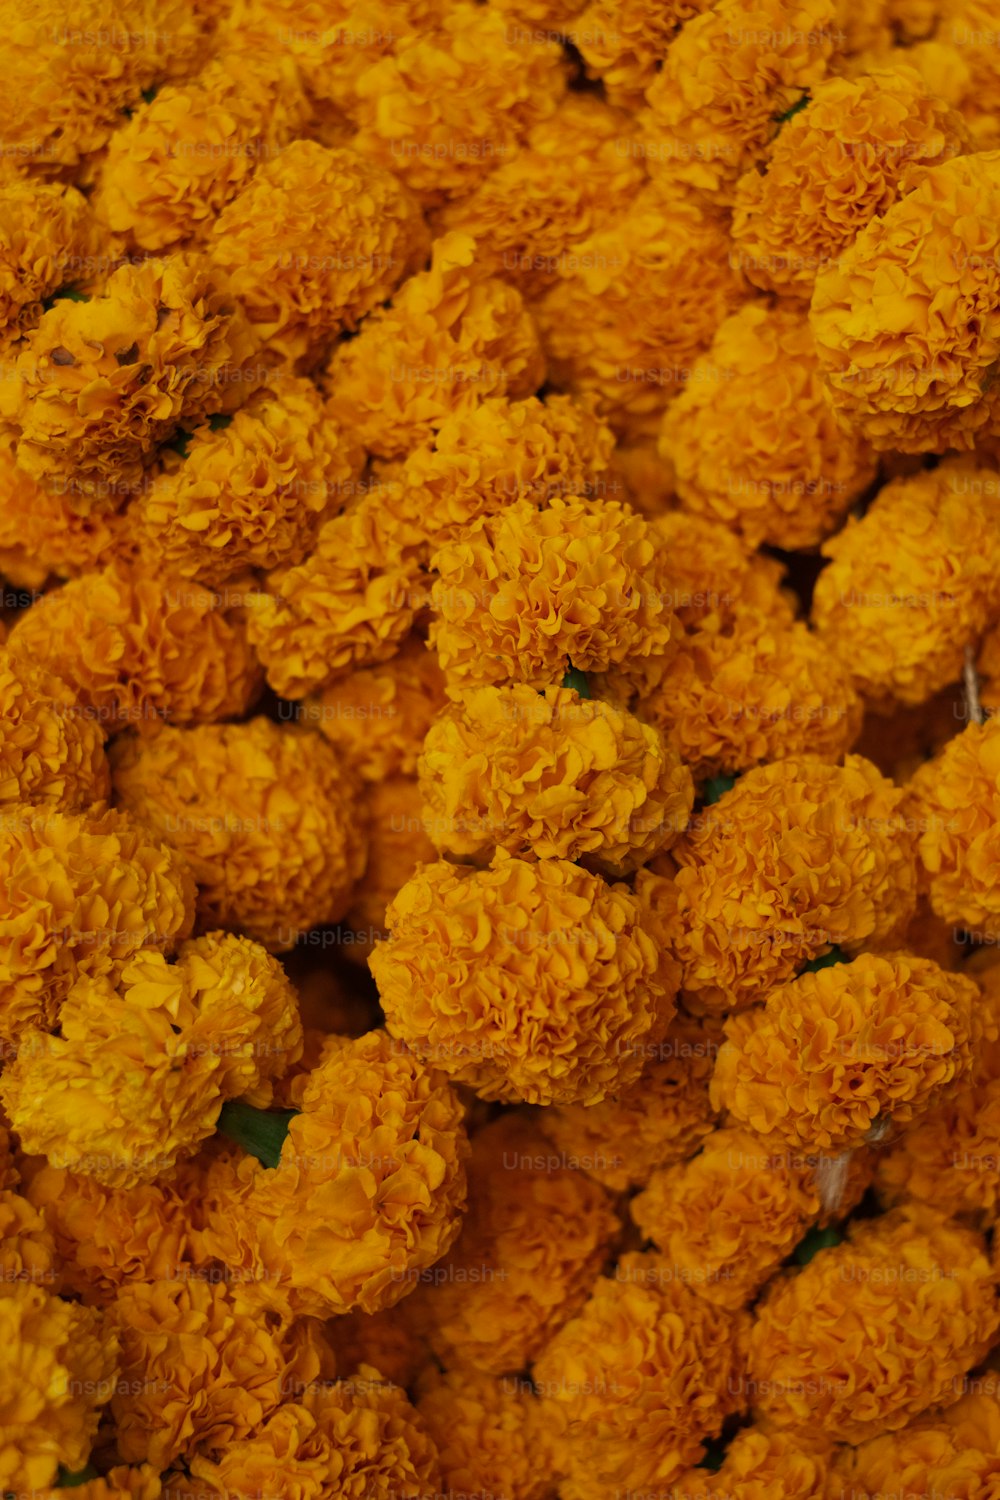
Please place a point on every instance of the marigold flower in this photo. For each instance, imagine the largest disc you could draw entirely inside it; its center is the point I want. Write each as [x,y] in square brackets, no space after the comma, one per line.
[99,385]
[887,1320]
[82,892]
[523,593]
[640,1378]
[727,78]
[952,1452]
[907,322]
[489,1434]
[316,239]
[574,174]
[641,299]
[531,980]
[954,804]
[49,239]
[180,158]
[913,582]
[639,475]
[536,1235]
[452,337]
[552,775]
[43,534]
[141,1483]
[712,574]
[949,1157]
[623,43]
[398,841]
[763,1461]
[754,690]
[358,1437]
[51,750]
[28,1250]
[799,856]
[377,717]
[252,494]
[858,146]
[138,646]
[753,441]
[266,819]
[351,603]
[59,1369]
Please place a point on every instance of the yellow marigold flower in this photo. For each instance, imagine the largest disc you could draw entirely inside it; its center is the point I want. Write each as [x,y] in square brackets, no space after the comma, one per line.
[837,1051]
[875,1330]
[522,593]
[798,857]
[120,1483]
[452,337]
[28,1250]
[969,27]
[389,1340]
[753,441]
[641,1378]
[763,1463]
[727,1219]
[954,804]
[642,298]
[907,322]
[43,533]
[356,1438]
[712,574]
[752,691]
[377,717]
[316,239]
[913,582]
[489,1434]
[443,106]
[639,475]
[48,239]
[138,646]
[51,749]
[858,146]
[398,841]
[727,79]
[622,43]
[951,1452]
[532,980]
[552,775]
[99,385]
[537,1234]
[576,172]
[661,1118]
[82,892]
[265,818]
[351,603]
[59,1368]
[950,1157]
[490,455]
[251,494]
[180,158]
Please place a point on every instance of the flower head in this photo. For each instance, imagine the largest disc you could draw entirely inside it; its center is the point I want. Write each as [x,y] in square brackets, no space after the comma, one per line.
[43,532]
[51,750]
[955,806]
[49,240]
[489,1434]
[950,1452]
[712,573]
[622,42]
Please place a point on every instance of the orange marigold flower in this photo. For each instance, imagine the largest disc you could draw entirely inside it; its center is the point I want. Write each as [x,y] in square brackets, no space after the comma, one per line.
[351,603]
[444,105]
[537,1234]
[910,1293]
[950,1157]
[763,1461]
[120,1483]
[749,691]
[907,321]
[799,856]
[451,337]
[642,297]
[954,804]
[913,582]
[858,146]
[398,841]
[727,79]
[838,1051]
[622,43]
[639,475]
[532,980]
[521,594]
[641,1378]
[49,240]
[99,385]
[138,646]
[489,1434]
[316,239]
[59,1369]
[712,574]
[51,748]
[553,775]
[377,716]
[180,158]
[43,533]
[28,1250]
[951,1452]
[251,494]
[753,440]
[82,892]
[358,1437]
[574,174]
[265,818]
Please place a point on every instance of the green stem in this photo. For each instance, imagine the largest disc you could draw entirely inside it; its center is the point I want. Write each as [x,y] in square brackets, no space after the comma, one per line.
[576,680]
[814,1241]
[825,961]
[67,1481]
[261,1132]
[716,787]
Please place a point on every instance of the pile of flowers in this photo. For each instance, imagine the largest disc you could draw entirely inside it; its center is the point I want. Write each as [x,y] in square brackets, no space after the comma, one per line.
[499,755]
